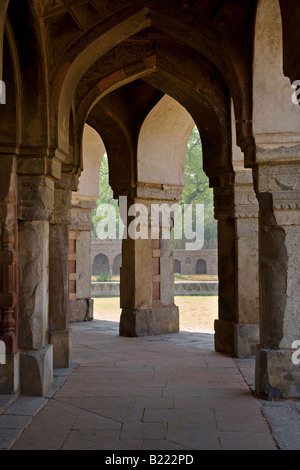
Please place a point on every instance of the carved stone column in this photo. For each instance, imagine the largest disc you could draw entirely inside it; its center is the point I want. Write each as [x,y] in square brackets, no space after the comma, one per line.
[246,328]
[236,209]
[147,278]
[80,301]
[278,192]
[59,332]
[224,213]
[36,203]
[9,372]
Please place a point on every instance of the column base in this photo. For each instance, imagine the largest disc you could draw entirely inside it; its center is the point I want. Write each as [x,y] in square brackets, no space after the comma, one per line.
[10,374]
[149,322]
[276,376]
[224,336]
[81,310]
[61,341]
[246,339]
[235,338]
[36,371]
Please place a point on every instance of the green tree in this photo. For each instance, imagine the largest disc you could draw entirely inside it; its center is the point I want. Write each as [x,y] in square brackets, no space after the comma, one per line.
[105,197]
[196,191]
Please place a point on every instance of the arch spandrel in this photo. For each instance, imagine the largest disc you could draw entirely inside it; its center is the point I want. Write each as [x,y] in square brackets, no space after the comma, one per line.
[272,91]
[82,63]
[162,144]
[199,88]
[217,40]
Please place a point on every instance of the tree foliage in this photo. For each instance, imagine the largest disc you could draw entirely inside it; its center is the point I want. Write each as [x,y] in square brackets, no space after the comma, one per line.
[105,196]
[196,190]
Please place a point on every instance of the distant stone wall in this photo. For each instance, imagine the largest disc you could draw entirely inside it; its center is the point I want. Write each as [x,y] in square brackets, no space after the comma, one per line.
[106,257]
[112,289]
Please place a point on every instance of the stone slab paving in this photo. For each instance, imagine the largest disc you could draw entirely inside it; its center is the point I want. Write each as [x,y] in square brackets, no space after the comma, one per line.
[159,393]
[17,412]
[151,393]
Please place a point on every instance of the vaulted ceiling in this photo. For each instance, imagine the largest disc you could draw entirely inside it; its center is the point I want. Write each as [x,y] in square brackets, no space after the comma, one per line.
[197,51]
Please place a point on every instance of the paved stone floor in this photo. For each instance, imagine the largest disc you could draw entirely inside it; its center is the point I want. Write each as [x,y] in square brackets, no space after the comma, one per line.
[169,392]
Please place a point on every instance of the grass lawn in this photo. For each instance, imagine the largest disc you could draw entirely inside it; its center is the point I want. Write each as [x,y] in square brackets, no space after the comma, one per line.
[196,313]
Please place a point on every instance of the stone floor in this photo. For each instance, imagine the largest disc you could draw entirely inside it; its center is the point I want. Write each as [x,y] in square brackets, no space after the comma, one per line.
[169,392]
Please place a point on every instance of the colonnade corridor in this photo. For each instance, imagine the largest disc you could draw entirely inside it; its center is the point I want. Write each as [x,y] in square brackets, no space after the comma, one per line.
[126,83]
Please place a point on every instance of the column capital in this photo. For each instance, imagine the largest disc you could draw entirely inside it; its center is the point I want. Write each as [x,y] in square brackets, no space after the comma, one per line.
[38,161]
[150,191]
[36,198]
[245,200]
[278,189]
[224,202]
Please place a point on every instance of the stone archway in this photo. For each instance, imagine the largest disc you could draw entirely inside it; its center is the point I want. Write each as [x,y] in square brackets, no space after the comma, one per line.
[100,264]
[201,267]
[111,69]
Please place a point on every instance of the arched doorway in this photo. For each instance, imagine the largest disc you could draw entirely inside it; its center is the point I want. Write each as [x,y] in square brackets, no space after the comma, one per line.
[201,267]
[100,264]
[177,266]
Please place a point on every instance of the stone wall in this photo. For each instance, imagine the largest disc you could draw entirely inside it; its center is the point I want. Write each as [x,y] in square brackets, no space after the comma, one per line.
[187,258]
[112,289]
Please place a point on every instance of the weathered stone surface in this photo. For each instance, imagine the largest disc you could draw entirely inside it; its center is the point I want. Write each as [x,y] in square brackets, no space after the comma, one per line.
[276,375]
[227,269]
[136,274]
[36,198]
[58,277]
[36,371]
[81,310]
[105,289]
[246,339]
[166,273]
[62,348]
[224,336]
[83,265]
[112,289]
[149,322]
[247,284]
[62,204]
[81,219]
[196,288]
[33,281]
[10,374]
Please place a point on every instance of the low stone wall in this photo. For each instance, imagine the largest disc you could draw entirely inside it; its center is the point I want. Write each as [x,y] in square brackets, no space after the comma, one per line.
[196,288]
[105,289]
[112,289]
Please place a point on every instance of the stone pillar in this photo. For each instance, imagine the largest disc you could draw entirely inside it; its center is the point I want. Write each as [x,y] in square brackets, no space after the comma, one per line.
[9,372]
[59,332]
[35,209]
[237,330]
[278,192]
[80,301]
[224,213]
[147,281]
[246,327]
